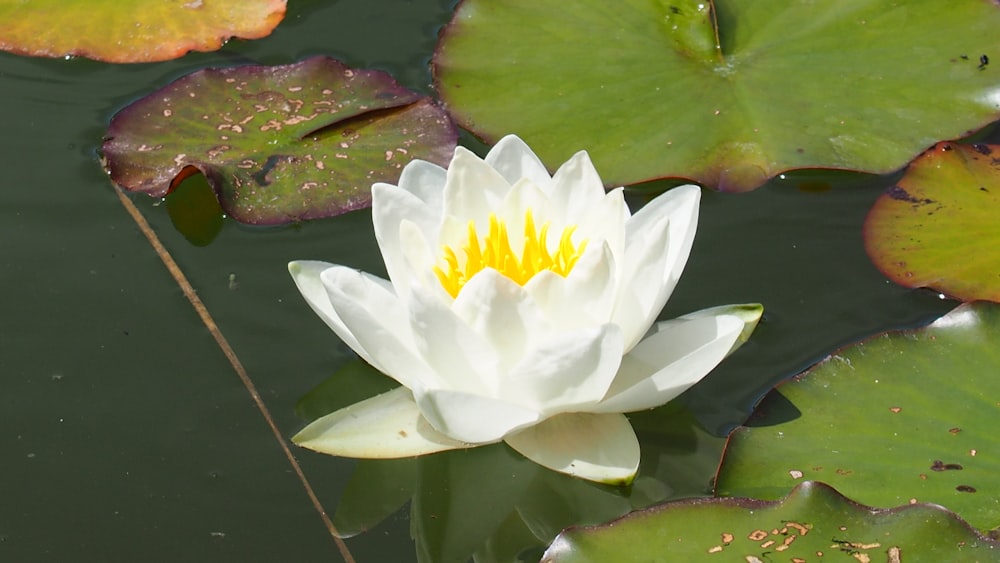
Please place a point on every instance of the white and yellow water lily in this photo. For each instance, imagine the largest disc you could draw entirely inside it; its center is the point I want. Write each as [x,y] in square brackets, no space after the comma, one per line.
[520,307]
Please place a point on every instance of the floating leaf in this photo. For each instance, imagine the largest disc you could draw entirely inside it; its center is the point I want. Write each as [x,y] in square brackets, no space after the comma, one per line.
[278,144]
[648,90]
[900,418]
[814,522]
[136,31]
[940,225]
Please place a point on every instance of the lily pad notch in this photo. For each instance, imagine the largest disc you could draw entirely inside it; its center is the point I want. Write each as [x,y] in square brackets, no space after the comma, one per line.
[278,143]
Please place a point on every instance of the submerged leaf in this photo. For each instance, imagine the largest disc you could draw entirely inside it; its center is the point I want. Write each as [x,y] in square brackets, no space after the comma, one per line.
[814,522]
[645,86]
[278,144]
[940,225]
[900,418]
[136,31]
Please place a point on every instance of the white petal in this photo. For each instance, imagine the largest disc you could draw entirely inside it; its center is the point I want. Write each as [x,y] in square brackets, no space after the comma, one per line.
[472,418]
[643,283]
[424,180]
[658,241]
[606,221]
[670,361]
[306,274]
[378,320]
[419,260]
[473,190]
[513,159]
[391,207]
[576,186]
[598,447]
[566,371]
[385,426]
[583,298]
[502,313]
[522,196]
[460,358]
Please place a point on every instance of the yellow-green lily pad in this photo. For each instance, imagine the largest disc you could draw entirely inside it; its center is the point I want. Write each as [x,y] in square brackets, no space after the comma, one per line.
[939,226]
[278,143]
[131,31]
[726,93]
[903,417]
[813,523]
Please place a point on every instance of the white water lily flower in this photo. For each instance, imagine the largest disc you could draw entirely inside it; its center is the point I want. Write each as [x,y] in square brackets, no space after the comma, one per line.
[519,307]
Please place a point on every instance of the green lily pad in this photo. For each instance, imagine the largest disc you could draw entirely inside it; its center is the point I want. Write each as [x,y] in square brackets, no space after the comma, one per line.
[280,143]
[134,31]
[900,418]
[813,523]
[727,93]
[938,226]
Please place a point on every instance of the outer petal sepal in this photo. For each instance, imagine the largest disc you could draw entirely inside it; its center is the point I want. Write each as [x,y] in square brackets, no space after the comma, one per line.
[383,427]
[598,447]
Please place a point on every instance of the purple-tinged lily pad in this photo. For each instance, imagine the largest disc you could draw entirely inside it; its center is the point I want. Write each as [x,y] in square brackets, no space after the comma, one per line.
[278,144]
[133,31]
[940,225]
[902,417]
[727,93]
[812,523]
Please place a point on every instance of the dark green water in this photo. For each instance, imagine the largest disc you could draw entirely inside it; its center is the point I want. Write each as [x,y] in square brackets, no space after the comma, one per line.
[126,435]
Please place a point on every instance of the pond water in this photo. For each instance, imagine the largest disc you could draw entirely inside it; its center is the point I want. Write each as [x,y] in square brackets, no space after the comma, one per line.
[126,433]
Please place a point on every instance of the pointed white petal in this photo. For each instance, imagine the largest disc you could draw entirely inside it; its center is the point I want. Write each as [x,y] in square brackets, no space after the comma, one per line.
[378,320]
[583,298]
[514,160]
[502,313]
[385,426]
[644,283]
[658,241]
[598,447]
[419,260]
[566,371]
[473,189]
[670,361]
[460,358]
[391,208]
[424,180]
[524,195]
[606,221]
[472,418]
[306,274]
[576,186]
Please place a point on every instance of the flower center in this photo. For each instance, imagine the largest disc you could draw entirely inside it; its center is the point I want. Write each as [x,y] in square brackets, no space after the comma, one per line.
[494,251]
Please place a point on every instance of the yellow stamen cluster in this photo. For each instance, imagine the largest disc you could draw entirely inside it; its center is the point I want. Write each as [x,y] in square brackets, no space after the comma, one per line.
[494,251]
